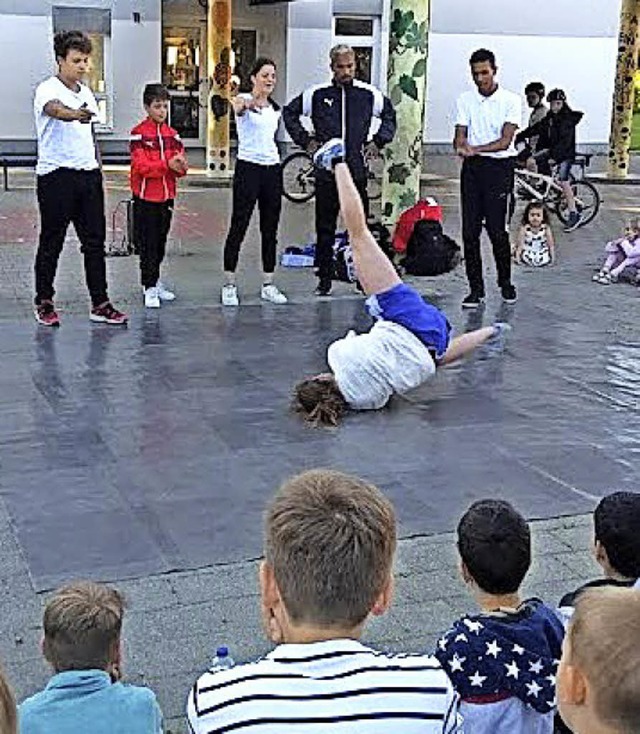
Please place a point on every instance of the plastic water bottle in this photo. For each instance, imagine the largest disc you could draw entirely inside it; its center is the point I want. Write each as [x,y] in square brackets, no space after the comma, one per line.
[222,660]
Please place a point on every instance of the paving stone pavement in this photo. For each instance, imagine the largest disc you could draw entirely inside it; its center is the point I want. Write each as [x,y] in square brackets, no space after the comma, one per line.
[176,620]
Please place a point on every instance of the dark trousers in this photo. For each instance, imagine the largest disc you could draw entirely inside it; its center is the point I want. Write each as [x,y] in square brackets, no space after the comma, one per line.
[67,196]
[254,183]
[487,189]
[152,221]
[327,208]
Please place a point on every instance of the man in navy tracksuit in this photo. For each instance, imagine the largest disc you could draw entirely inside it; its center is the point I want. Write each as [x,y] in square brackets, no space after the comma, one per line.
[343,108]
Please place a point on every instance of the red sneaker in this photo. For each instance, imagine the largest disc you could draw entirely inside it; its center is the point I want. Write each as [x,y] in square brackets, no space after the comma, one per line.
[107,314]
[45,314]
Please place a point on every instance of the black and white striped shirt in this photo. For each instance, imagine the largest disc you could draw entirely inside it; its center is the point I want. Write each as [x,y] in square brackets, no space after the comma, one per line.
[338,685]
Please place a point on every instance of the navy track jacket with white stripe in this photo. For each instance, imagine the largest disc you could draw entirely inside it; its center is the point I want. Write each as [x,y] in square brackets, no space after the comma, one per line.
[338,110]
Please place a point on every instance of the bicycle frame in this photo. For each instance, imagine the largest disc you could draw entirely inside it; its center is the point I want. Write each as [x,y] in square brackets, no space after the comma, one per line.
[550,184]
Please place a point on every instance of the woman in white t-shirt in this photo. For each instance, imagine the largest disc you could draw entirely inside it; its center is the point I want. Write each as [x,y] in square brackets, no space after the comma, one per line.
[257,178]
[409,339]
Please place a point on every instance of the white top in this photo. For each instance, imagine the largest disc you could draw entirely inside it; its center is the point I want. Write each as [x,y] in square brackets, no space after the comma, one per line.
[257,135]
[338,686]
[484,117]
[370,367]
[64,144]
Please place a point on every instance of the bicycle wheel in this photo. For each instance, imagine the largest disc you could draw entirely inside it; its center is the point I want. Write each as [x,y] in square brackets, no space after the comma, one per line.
[298,177]
[587,202]
[375,171]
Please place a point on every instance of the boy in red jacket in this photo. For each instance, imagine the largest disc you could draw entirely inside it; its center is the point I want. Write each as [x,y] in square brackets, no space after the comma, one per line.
[157,161]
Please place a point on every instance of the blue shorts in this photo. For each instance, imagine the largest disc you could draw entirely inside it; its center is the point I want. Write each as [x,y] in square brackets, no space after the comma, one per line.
[405,306]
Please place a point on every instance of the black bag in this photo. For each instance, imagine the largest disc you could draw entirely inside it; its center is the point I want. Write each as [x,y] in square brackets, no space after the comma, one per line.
[430,251]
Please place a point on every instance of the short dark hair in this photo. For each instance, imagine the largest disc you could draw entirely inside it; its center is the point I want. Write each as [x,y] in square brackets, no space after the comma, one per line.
[66,41]
[483,54]
[330,539]
[494,542]
[617,527]
[82,625]
[535,88]
[535,205]
[153,92]
[260,62]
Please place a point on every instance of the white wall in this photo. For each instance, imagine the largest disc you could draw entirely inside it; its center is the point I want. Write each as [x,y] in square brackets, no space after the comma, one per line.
[583,67]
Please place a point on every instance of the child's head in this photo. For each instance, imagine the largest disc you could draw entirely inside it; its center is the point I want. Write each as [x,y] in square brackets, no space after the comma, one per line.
[8,714]
[535,214]
[633,226]
[319,400]
[617,534]
[598,684]
[330,539]
[494,543]
[82,625]
[155,99]
[557,100]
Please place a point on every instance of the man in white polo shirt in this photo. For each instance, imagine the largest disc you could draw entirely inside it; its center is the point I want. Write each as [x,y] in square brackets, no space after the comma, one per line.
[485,125]
[69,180]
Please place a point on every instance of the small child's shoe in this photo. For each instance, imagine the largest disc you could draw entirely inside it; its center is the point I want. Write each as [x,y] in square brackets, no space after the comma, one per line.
[597,278]
[332,152]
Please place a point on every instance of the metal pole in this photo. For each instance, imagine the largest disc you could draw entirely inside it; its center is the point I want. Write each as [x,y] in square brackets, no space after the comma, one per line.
[623,93]
[219,72]
[407,83]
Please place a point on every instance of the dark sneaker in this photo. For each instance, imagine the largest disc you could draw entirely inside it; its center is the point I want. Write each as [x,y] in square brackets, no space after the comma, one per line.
[107,314]
[332,152]
[509,294]
[575,220]
[473,300]
[324,287]
[45,314]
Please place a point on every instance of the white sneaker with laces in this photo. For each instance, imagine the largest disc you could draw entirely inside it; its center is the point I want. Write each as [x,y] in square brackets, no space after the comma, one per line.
[151,298]
[229,295]
[164,294]
[271,293]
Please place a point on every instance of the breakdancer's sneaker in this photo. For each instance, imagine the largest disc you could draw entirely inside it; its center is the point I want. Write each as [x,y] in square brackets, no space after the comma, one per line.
[332,152]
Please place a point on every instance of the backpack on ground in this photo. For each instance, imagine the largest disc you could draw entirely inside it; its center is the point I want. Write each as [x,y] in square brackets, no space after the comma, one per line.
[430,251]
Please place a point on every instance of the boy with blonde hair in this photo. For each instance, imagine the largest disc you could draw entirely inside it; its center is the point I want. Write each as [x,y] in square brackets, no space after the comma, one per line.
[82,627]
[599,674]
[330,540]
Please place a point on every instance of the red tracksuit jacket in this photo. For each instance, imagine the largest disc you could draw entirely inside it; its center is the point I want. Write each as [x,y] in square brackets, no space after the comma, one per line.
[152,146]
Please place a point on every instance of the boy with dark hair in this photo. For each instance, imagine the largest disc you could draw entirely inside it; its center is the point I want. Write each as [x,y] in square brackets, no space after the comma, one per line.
[599,673]
[616,545]
[330,540]
[69,180]
[157,161]
[82,627]
[502,662]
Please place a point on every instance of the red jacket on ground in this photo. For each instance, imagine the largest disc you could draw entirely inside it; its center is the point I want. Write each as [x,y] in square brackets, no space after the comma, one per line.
[152,146]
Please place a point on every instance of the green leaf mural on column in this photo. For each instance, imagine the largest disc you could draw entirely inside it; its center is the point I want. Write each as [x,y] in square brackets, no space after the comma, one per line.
[407,81]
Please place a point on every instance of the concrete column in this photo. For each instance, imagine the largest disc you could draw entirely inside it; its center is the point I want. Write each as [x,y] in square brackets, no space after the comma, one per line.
[623,93]
[219,72]
[407,83]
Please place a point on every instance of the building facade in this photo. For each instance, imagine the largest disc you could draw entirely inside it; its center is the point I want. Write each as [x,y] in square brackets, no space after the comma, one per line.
[567,43]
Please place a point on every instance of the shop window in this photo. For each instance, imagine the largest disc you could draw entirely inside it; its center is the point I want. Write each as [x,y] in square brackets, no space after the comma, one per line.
[96,24]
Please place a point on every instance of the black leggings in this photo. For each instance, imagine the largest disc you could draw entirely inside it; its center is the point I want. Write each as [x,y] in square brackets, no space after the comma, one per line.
[255,183]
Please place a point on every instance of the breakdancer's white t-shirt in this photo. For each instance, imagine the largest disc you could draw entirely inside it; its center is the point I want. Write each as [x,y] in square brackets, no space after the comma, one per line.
[370,367]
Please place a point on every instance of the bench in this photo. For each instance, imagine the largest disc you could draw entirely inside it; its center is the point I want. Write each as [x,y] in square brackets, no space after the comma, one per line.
[23,154]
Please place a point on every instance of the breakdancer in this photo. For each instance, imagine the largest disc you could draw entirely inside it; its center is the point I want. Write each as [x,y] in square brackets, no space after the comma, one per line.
[408,341]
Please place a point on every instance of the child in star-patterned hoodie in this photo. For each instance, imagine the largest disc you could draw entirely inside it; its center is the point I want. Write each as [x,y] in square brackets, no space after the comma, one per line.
[503,661]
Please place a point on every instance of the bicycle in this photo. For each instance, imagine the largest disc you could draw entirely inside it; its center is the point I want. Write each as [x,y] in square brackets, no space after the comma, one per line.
[530,186]
[299,177]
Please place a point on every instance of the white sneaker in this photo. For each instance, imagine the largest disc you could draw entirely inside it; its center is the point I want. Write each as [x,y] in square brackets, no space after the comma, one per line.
[272,294]
[164,294]
[151,298]
[230,295]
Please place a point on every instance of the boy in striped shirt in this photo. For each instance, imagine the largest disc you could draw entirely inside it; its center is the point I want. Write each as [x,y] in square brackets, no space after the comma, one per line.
[330,540]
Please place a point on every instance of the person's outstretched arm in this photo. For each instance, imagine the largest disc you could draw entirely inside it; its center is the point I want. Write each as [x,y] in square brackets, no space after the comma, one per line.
[373,268]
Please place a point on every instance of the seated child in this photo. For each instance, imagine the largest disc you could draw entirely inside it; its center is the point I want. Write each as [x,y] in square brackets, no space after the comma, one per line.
[621,254]
[502,661]
[409,339]
[8,714]
[534,242]
[599,673]
[82,625]
[330,540]
[616,545]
